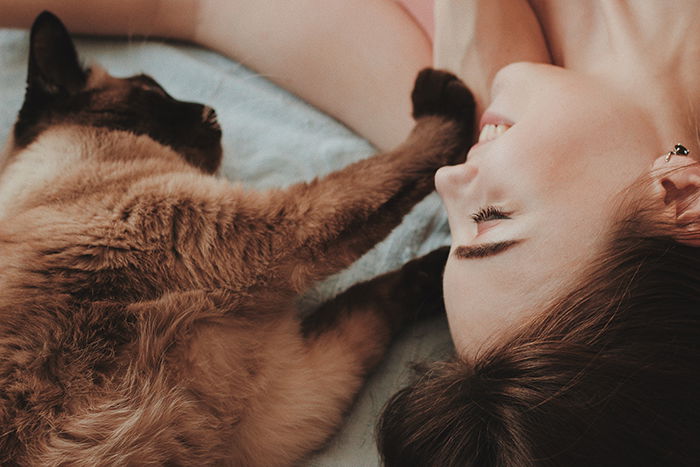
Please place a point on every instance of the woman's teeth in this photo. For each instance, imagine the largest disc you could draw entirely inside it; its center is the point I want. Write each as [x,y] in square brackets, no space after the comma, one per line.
[489,132]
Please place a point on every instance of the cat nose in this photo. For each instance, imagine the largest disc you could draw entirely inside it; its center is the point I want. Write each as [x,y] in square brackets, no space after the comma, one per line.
[209,117]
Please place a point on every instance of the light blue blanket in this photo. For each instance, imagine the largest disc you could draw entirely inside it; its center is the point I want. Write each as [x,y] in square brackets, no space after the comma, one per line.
[271,139]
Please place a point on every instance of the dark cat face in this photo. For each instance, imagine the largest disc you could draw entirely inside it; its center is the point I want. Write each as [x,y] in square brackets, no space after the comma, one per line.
[60,91]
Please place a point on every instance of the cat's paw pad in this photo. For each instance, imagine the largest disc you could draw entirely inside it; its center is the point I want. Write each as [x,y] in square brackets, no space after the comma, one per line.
[441,93]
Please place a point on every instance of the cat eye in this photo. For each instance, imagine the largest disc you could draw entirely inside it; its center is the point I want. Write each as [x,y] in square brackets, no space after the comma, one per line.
[489,213]
[147,83]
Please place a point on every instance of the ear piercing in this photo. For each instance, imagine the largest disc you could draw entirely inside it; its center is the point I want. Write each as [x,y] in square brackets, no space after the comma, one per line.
[678,150]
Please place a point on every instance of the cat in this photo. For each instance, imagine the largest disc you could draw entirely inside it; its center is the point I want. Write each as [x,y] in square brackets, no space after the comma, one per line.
[147,307]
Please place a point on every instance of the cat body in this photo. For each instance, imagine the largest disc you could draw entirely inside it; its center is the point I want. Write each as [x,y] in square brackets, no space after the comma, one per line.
[147,307]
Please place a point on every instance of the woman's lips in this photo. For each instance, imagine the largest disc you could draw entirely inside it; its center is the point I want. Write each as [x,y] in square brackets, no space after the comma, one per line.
[492,118]
[491,127]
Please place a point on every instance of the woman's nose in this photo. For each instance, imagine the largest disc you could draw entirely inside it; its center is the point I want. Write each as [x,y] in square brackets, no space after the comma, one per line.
[450,178]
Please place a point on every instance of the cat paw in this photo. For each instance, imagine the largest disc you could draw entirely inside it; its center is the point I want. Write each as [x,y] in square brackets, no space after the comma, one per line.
[441,93]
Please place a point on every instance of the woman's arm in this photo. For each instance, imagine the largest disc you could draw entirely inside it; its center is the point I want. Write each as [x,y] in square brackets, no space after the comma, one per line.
[356,60]
[162,18]
[476,38]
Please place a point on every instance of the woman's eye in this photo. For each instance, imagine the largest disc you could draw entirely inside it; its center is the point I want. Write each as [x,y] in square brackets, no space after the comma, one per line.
[489,213]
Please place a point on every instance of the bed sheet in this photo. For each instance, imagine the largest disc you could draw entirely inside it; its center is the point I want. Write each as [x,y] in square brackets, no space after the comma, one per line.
[272,139]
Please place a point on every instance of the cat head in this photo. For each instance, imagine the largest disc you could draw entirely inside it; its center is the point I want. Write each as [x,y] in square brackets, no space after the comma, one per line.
[61,91]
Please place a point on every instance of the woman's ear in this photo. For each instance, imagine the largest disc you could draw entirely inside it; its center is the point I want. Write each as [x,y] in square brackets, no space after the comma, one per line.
[678,187]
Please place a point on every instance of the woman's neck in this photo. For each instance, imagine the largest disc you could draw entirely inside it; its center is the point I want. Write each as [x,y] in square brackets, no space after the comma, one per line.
[648,49]
[580,34]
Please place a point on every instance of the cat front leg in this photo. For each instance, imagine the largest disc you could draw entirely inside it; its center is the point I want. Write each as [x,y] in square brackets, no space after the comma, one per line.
[329,223]
[212,234]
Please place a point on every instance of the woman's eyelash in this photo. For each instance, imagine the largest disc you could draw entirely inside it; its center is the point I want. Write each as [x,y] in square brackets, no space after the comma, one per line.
[489,213]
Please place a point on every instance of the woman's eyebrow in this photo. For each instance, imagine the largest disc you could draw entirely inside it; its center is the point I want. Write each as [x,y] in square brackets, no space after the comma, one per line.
[483,250]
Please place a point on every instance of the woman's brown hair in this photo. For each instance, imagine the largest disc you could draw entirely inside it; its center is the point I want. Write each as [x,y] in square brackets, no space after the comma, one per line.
[609,375]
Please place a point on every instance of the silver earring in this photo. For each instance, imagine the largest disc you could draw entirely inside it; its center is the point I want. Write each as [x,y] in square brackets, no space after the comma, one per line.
[678,150]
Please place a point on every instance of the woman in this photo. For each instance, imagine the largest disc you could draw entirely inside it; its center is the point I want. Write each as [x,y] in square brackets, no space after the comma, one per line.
[571,165]
[605,373]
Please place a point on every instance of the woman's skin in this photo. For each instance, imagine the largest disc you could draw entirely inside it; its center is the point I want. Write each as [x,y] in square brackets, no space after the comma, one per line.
[577,137]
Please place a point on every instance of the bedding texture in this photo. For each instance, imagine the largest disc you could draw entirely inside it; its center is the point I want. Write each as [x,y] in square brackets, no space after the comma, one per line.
[271,138]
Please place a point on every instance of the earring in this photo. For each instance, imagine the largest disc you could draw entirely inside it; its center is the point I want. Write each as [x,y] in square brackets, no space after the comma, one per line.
[678,150]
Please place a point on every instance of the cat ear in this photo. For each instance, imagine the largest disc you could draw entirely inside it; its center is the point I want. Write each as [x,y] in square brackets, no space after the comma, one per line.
[678,187]
[53,62]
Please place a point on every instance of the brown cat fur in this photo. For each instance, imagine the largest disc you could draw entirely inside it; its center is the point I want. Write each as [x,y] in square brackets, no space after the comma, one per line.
[147,308]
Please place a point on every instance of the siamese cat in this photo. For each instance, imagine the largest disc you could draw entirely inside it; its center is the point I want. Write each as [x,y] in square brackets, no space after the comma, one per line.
[147,308]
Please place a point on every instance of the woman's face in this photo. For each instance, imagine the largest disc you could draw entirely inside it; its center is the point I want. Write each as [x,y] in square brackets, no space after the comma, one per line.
[531,206]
